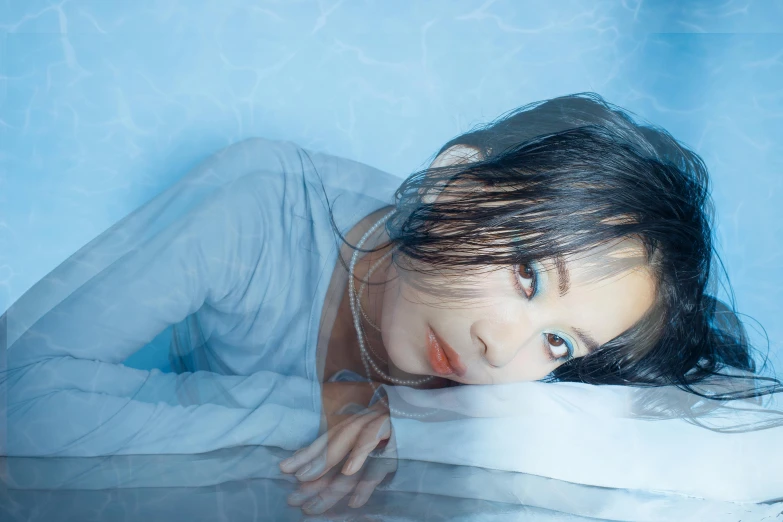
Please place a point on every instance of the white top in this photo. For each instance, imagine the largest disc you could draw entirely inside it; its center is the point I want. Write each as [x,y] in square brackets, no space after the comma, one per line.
[236,257]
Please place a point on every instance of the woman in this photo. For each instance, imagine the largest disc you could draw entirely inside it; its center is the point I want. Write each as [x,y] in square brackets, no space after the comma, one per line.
[561,242]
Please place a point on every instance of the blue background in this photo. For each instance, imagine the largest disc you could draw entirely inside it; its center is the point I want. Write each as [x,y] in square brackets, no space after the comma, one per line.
[103,104]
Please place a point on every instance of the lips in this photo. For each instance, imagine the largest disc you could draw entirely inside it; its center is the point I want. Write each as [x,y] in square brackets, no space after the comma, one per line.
[443,359]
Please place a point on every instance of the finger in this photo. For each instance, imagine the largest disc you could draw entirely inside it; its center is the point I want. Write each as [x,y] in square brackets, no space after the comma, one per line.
[302,456]
[308,453]
[373,433]
[367,485]
[300,496]
[339,487]
[375,472]
[294,462]
[339,442]
[337,448]
[308,490]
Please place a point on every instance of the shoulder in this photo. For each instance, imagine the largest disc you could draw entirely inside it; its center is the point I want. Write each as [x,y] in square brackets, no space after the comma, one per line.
[288,179]
[456,155]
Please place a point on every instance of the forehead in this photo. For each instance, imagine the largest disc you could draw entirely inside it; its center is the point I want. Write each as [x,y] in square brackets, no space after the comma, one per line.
[610,289]
[605,261]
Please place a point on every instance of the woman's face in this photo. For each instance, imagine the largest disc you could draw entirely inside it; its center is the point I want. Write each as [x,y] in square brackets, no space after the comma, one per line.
[516,323]
[519,323]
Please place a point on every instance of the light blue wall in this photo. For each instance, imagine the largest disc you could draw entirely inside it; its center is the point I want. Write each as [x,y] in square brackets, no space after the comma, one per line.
[105,103]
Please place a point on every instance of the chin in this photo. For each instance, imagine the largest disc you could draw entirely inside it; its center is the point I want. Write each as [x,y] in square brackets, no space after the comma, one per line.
[408,366]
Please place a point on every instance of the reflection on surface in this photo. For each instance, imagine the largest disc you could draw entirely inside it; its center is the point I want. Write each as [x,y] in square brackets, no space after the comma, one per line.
[245,483]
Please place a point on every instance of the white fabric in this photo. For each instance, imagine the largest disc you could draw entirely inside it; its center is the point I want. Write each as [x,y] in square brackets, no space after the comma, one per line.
[593,435]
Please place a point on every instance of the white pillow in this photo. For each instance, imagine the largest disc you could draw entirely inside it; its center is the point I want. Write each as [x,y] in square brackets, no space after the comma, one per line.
[595,435]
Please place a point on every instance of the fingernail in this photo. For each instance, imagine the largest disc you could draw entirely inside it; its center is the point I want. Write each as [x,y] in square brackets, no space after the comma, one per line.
[287,465]
[311,471]
[304,471]
[296,497]
[292,459]
[349,466]
[354,502]
[314,505]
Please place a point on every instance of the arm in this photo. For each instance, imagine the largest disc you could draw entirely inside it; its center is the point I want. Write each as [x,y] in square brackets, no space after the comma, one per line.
[66,392]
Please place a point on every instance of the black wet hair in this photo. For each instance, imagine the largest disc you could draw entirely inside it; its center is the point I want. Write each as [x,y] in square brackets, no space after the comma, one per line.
[562,176]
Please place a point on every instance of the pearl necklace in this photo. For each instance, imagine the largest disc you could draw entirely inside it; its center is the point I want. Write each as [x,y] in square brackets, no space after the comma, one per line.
[361,291]
[354,302]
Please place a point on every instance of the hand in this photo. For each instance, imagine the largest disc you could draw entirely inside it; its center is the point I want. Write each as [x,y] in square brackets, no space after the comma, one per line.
[355,437]
[319,495]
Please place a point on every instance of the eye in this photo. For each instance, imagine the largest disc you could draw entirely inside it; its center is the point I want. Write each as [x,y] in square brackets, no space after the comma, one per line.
[557,348]
[525,279]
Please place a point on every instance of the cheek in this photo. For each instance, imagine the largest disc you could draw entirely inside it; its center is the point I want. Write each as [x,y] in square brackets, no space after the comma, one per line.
[528,366]
[531,366]
[391,308]
[401,305]
[397,317]
[506,314]
[402,332]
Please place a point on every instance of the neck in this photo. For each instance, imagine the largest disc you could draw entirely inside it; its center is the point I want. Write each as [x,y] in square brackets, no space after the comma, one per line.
[371,300]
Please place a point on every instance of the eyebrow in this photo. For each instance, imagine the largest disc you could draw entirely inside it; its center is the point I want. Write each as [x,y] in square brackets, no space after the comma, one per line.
[588,341]
[564,284]
[563,276]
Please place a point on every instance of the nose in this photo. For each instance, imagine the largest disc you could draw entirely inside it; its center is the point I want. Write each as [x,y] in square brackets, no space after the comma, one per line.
[503,337]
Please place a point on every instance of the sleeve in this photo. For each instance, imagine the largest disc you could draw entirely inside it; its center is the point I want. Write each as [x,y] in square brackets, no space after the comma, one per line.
[62,384]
